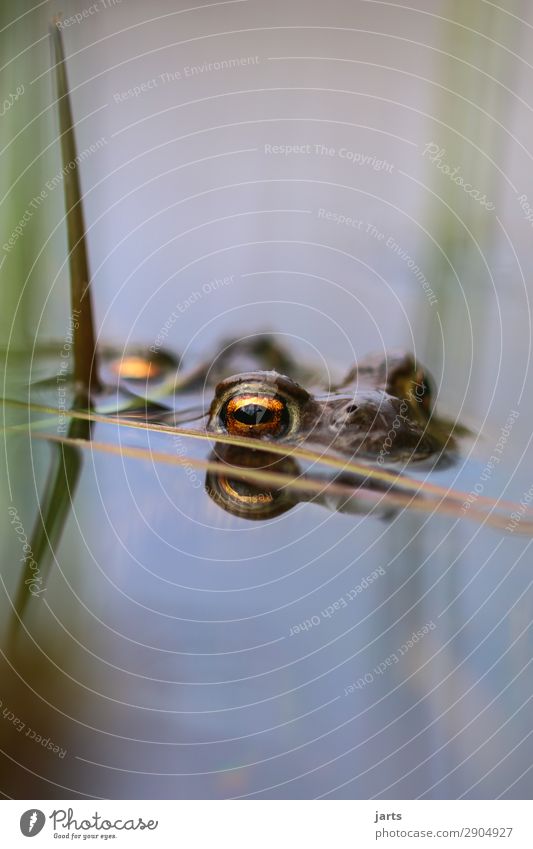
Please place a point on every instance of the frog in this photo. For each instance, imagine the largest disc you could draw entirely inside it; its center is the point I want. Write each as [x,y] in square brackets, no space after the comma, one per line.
[381,410]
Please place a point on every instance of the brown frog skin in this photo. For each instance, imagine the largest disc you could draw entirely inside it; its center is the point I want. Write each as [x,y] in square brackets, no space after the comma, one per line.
[381,410]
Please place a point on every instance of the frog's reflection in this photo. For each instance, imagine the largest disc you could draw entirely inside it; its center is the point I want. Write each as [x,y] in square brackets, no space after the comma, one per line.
[258,500]
[245,498]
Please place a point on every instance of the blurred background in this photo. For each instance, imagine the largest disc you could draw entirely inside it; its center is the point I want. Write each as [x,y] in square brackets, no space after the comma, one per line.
[351,177]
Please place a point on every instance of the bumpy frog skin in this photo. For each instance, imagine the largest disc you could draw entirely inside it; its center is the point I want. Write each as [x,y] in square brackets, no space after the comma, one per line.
[381,410]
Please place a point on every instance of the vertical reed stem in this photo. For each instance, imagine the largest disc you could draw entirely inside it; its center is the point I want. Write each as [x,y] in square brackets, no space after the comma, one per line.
[85,360]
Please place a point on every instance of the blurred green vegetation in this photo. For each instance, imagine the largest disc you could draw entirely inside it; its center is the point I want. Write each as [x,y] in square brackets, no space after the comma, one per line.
[472,73]
[29,157]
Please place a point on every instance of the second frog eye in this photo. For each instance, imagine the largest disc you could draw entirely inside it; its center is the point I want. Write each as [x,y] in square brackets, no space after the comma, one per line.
[255,415]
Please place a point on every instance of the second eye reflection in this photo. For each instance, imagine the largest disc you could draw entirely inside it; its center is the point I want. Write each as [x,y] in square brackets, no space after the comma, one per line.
[258,500]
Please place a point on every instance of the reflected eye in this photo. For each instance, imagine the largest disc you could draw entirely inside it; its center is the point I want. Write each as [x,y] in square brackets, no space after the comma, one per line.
[255,415]
[250,499]
[244,493]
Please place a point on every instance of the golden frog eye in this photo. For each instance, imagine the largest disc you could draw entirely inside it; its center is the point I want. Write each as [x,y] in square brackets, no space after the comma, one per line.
[253,414]
[260,404]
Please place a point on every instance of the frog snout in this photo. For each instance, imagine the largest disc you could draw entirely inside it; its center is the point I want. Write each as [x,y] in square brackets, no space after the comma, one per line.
[361,412]
[353,415]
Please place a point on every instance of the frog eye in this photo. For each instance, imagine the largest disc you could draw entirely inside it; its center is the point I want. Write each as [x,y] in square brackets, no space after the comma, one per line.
[258,404]
[253,414]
